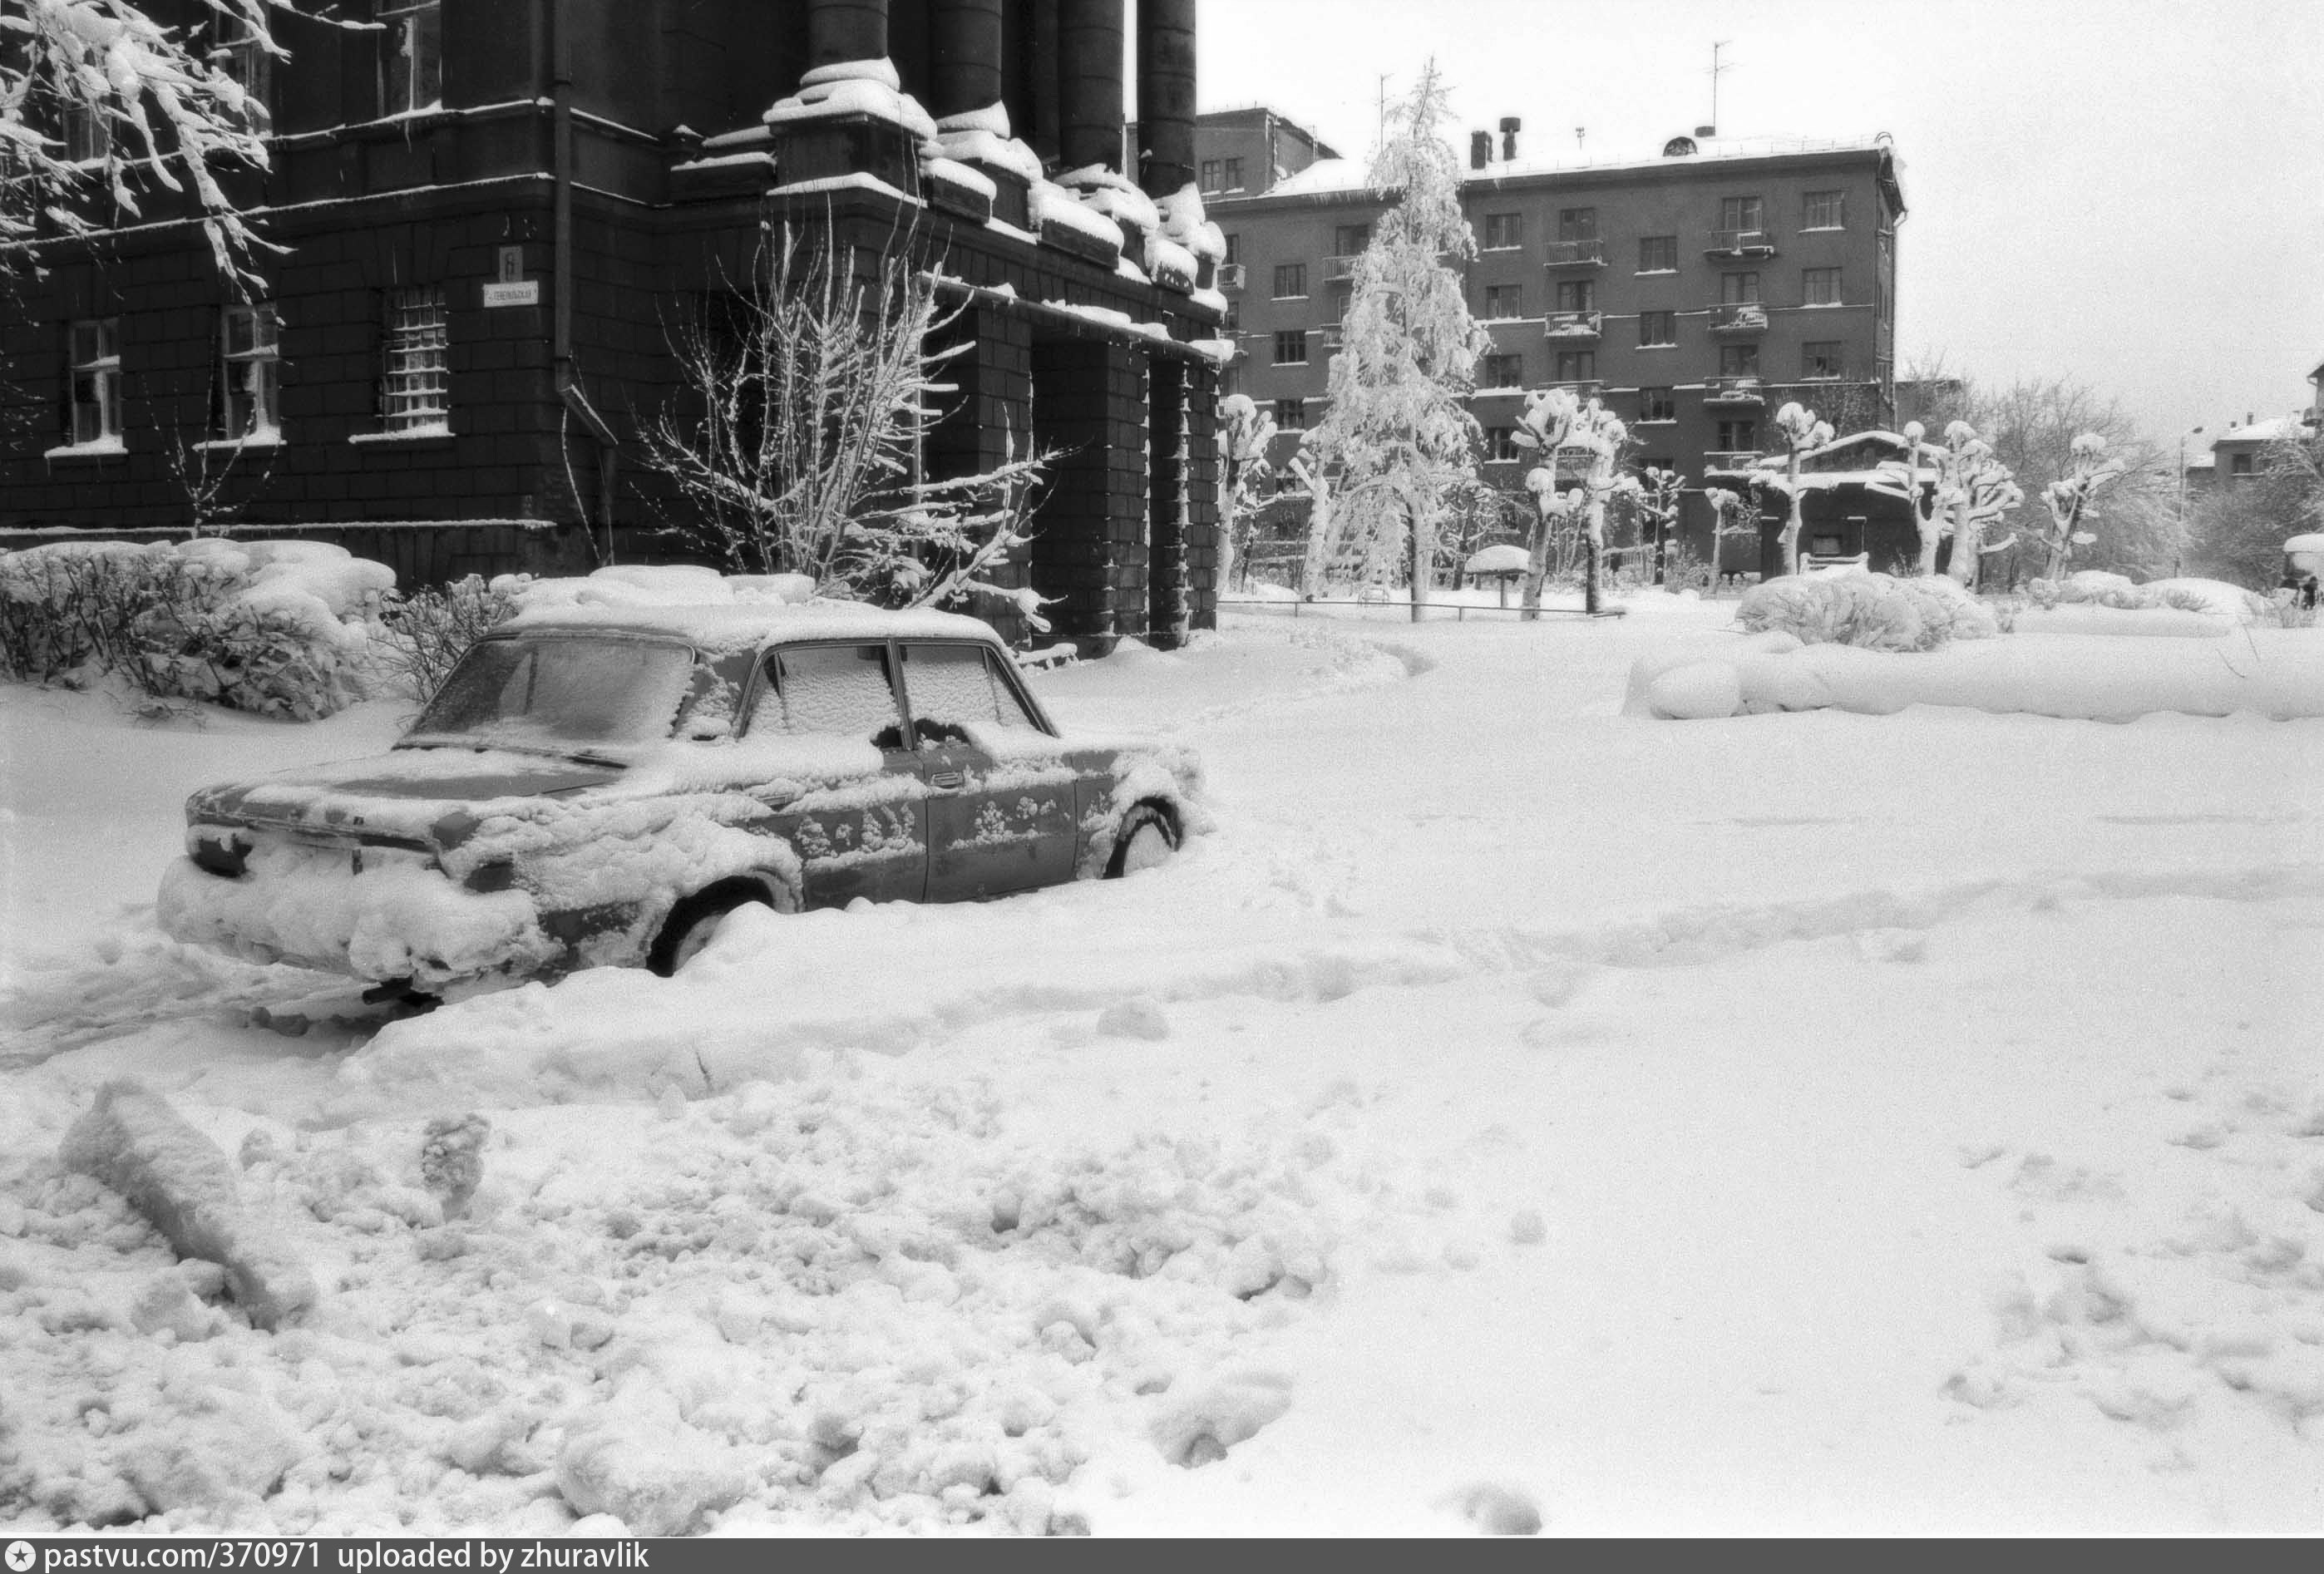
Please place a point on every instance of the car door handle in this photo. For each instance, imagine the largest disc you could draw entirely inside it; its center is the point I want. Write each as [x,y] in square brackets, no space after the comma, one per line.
[945,781]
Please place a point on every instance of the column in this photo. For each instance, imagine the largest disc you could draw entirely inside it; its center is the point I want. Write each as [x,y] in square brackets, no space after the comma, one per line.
[1166,97]
[845,30]
[964,67]
[1089,83]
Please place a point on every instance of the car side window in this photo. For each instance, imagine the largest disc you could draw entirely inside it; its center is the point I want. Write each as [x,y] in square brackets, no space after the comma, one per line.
[955,686]
[841,690]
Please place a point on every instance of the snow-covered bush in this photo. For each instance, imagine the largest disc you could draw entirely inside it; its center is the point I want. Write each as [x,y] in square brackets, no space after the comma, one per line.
[278,628]
[422,634]
[1871,611]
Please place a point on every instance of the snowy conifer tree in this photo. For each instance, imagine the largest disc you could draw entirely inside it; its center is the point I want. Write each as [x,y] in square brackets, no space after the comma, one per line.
[1397,437]
[2068,499]
[1803,431]
[1245,432]
[97,98]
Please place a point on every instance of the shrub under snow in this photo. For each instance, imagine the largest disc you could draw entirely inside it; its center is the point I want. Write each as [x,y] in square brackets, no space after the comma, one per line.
[275,627]
[423,633]
[1873,612]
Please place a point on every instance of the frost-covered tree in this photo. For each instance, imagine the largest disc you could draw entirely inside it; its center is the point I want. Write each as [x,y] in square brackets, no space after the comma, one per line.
[1803,432]
[100,100]
[2070,501]
[1976,491]
[1735,510]
[1397,437]
[1657,499]
[1555,423]
[795,437]
[1245,432]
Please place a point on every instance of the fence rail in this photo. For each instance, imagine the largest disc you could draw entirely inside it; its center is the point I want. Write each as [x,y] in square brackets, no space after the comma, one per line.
[1460,612]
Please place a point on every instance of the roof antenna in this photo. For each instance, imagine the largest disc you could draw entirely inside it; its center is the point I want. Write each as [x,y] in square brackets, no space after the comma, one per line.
[1717,70]
[1577,135]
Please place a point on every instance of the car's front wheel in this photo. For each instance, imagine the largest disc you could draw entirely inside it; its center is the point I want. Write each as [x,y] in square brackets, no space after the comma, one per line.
[694,923]
[1147,838]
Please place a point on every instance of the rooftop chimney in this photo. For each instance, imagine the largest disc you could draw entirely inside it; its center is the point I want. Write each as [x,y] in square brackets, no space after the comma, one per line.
[1510,127]
[1706,130]
[1481,149]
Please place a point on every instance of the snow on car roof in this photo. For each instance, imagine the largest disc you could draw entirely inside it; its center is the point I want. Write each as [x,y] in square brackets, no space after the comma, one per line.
[723,612]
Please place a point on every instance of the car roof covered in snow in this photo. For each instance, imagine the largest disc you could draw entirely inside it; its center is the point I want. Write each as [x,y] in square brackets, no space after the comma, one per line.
[746,624]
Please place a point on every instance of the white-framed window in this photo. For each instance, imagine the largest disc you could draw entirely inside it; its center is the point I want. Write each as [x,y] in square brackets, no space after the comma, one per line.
[95,380]
[412,56]
[1823,210]
[249,367]
[416,373]
[1820,286]
[88,135]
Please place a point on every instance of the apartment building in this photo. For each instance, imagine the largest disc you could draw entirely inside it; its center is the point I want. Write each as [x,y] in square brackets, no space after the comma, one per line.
[494,212]
[1695,291]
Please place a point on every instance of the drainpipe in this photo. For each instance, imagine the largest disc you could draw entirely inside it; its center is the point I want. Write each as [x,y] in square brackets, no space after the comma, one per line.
[568,388]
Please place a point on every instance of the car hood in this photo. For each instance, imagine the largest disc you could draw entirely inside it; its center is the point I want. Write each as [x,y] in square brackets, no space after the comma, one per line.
[400,794]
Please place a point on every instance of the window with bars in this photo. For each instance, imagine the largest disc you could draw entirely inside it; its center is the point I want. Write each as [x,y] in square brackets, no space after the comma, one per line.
[1820,286]
[1658,254]
[1656,329]
[1823,210]
[416,376]
[1504,231]
[250,377]
[1291,347]
[412,56]
[1658,404]
[96,351]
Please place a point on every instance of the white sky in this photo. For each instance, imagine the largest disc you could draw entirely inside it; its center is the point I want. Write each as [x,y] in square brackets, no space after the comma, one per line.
[2128,192]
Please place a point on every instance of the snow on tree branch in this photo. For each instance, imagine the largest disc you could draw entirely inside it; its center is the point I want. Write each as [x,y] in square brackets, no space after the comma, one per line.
[2070,500]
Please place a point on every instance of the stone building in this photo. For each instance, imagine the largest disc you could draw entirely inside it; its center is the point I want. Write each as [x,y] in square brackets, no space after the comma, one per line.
[493,209]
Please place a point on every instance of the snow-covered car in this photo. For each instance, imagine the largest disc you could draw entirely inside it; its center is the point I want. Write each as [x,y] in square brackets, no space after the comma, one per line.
[602,784]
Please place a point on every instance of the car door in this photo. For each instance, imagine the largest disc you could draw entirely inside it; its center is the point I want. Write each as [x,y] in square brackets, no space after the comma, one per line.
[1000,819]
[868,838]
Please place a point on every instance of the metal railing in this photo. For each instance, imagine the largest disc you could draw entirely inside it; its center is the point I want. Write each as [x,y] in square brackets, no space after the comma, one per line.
[1738,316]
[1231,275]
[1734,391]
[1572,324]
[1741,243]
[1459,611]
[1341,267]
[1730,458]
[1576,254]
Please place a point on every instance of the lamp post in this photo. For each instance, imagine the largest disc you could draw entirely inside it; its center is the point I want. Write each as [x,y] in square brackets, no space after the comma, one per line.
[2178,542]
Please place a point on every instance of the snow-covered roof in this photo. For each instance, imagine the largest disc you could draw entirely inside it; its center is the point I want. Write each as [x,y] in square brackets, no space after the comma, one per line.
[2271,431]
[1501,560]
[1322,175]
[1708,150]
[2204,460]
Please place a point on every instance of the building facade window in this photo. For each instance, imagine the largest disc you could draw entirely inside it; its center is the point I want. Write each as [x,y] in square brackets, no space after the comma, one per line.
[1577,365]
[1656,329]
[1234,250]
[88,135]
[1823,210]
[1824,360]
[242,54]
[1739,436]
[1349,240]
[416,376]
[1658,404]
[1738,360]
[1232,172]
[1505,370]
[1291,347]
[1290,281]
[1820,286]
[412,56]
[1504,300]
[1290,415]
[1739,289]
[1658,254]
[2239,466]
[1577,224]
[1577,295]
[249,373]
[1504,231]
[1211,175]
[1501,446]
[1233,324]
[1343,296]
[95,382]
[1741,215]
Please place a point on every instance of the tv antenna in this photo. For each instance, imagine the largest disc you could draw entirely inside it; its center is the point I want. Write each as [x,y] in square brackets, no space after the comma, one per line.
[1383,109]
[1716,71]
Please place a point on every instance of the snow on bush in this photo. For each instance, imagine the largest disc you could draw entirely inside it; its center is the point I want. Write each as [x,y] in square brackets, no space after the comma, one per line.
[274,627]
[2096,603]
[1871,611]
[422,634]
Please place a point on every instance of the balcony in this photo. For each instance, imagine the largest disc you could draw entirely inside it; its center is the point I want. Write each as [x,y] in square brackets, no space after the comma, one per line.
[1589,253]
[1336,268]
[1734,391]
[1333,335]
[1738,316]
[1582,387]
[1572,324]
[1730,459]
[1740,243]
[1231,276]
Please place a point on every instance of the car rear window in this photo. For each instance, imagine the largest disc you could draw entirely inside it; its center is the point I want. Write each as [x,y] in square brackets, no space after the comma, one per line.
[955,686]
[834,690]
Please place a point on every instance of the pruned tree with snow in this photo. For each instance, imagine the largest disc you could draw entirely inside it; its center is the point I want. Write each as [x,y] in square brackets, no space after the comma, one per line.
[1556,424]
[1977,491]
[1657,498]
[1915,483]
[101,101]
[795,438]
[1398,437]
[1245,433]
[1735,510]
[1803,432]
[2070,500]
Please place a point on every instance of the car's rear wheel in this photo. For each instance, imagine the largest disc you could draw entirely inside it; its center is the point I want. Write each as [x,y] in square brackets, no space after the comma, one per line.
[1148,840]
[694,923]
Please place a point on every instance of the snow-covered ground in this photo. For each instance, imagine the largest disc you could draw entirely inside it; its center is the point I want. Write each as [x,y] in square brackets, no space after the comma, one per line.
[1819,1122]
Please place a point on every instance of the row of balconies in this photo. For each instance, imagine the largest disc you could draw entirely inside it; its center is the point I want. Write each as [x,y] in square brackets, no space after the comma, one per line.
[1590,252]
[1740,317]
[1715,390]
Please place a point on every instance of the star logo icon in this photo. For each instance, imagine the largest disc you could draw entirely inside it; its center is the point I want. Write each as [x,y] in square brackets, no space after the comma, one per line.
[19,1557]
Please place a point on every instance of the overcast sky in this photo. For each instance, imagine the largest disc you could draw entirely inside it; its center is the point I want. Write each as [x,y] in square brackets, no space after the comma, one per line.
[2130,193]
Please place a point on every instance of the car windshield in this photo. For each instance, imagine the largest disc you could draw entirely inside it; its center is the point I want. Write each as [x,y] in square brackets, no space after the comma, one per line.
[563,695]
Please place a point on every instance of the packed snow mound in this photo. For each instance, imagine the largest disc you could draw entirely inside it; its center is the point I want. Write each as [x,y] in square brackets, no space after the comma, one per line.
[2277,673]
[2096,603]
[1872,610]
[1504,559]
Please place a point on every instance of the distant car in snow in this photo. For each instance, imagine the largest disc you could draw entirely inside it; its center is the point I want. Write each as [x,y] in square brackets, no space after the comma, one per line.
[602,784]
